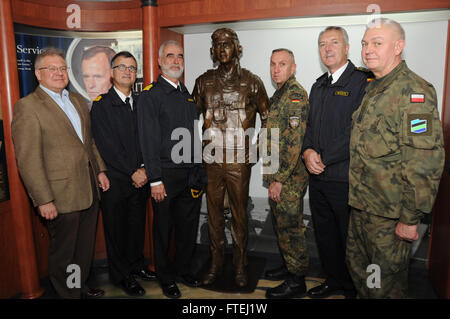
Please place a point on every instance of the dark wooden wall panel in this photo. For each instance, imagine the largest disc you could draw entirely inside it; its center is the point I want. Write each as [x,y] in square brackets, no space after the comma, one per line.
[127,15]
[439,252]
[95,16]
[9,274]
[182,12]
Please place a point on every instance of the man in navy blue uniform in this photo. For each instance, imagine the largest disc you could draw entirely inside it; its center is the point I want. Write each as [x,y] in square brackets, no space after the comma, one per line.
[114,127]
[333,99]
[166,108]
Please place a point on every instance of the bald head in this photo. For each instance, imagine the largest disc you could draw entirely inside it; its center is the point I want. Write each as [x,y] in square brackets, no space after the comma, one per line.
[382,46]
[394,26]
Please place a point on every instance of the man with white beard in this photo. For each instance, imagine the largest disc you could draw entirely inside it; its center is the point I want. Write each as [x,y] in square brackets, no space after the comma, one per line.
[163,107]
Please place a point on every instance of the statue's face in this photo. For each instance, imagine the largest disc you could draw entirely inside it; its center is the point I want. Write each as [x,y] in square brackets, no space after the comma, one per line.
[224,50]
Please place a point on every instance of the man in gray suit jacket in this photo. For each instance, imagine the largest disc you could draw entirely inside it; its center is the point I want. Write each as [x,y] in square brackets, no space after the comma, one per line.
[59,164]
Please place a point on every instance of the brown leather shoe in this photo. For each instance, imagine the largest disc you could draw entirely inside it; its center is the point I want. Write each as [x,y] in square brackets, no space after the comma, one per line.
[211,276]
[241,278]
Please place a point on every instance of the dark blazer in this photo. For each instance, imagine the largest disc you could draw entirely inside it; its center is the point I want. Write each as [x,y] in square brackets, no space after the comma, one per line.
[163,111]
[330,118]
[53,162]
[114,127]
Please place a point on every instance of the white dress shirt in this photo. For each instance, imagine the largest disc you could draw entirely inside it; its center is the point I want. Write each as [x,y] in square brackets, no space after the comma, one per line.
[123,97]
[66,105]
[337,74]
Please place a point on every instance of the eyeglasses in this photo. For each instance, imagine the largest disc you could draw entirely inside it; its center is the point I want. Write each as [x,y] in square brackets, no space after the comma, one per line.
[123,67]
[53,68]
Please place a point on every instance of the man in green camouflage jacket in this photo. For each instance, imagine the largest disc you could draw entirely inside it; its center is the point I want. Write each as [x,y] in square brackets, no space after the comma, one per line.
[396,162]
[288,114]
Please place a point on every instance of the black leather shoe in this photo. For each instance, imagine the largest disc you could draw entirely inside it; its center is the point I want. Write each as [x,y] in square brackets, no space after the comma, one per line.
[294,286]
[132,287]
[93,293]
[144,274]
[280,273]
[323,290]
[171,290]
[350,294]
[188,280]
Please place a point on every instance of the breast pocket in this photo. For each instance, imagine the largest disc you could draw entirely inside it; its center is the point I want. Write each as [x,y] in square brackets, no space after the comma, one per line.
[380,139]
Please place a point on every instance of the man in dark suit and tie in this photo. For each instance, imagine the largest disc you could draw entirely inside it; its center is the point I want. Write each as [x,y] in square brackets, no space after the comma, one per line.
[59,164]
[114,127]
[333,99]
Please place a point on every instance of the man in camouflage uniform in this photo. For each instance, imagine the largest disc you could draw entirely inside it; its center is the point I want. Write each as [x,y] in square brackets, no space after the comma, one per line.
[229,98]
[396,161]
[288,113]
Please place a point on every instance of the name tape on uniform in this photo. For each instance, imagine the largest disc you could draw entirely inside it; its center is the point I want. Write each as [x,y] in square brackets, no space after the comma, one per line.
[342,93]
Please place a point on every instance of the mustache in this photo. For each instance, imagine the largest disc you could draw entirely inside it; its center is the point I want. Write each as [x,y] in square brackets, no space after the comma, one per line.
[167,69]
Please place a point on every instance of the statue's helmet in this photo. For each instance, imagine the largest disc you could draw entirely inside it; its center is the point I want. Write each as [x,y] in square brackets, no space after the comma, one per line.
[226,33]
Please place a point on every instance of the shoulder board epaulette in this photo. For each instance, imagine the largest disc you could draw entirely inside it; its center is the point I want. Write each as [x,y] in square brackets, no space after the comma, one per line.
[148,87]
[360,68]
[369,73]
[98,98]
[325,75]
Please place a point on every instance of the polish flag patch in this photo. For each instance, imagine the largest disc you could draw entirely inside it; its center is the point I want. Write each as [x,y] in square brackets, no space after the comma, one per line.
[417,98]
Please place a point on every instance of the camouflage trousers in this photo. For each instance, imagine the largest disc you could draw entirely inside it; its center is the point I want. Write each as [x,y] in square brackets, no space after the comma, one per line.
[377,259]
[288,215]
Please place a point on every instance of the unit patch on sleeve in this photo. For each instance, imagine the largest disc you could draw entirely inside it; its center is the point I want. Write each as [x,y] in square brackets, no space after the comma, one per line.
[419,124]
[294,121]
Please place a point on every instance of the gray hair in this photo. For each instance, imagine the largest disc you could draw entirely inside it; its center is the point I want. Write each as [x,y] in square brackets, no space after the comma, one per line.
[169,42]
[50,51]
[387,22]
[334,28]
[285,50]
[93,51]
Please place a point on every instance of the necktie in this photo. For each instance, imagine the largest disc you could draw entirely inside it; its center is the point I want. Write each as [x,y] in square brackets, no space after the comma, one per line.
[179,88]
[127,102]
[330,79]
